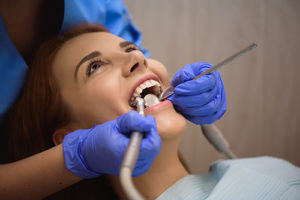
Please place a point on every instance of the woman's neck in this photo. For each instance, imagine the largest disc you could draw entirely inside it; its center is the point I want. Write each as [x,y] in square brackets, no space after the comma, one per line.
[164,172]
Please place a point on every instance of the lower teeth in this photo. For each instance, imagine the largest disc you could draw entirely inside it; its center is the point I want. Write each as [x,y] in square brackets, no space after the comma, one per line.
[151,100]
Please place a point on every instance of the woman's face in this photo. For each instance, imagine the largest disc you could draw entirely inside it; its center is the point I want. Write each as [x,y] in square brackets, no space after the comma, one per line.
[99,73]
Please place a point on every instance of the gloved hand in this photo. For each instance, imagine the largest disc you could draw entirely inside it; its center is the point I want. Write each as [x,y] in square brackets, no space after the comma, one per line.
[202,101]
[90,153]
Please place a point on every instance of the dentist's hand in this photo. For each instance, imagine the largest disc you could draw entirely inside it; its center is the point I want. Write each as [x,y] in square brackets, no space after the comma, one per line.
[90,153]
[202,101]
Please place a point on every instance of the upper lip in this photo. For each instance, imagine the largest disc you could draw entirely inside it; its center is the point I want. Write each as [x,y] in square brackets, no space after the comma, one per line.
[140,81]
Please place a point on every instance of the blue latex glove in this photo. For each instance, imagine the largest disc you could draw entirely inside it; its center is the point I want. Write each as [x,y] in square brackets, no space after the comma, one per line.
[201,101]
[90,153]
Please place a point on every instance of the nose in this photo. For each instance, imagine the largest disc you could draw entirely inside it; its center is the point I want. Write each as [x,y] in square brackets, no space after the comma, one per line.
[135,61]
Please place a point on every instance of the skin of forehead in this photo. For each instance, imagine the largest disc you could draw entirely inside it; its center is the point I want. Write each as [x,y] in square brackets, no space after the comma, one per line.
[76,48]
[88,41]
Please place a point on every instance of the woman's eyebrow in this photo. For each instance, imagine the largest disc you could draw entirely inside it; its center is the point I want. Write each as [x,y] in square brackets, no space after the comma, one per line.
[86,58]
[126,43]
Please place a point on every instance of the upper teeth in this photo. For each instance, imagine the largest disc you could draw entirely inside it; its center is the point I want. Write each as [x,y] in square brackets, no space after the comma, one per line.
[146,84]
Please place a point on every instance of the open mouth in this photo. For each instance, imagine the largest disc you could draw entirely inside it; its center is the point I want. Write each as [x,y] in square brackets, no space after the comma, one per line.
[151,86]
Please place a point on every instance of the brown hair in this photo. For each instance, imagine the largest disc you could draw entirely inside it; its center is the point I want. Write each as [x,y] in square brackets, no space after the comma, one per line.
[39,110]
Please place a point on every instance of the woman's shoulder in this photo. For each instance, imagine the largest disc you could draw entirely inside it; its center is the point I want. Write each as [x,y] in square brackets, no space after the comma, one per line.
[256,178]
[247,178]
[266,165]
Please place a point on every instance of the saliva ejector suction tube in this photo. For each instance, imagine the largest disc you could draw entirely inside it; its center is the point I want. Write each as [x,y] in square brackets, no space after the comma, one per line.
[131,156]
[132,151]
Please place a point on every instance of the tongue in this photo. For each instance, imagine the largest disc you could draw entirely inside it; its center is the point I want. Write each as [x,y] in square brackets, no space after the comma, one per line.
[151,100]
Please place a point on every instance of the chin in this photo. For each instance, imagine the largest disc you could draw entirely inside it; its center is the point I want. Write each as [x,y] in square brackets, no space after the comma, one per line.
[170,124]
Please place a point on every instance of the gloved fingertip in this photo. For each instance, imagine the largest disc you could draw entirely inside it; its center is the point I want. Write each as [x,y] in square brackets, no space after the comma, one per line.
[171,98]
[151,145]
[208,79]
[151,118]
[132,114]
[144,124]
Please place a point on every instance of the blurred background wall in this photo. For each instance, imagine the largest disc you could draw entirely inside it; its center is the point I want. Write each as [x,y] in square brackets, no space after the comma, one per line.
[263,86]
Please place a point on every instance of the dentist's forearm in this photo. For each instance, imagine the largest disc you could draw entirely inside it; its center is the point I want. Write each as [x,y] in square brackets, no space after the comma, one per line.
[37,176]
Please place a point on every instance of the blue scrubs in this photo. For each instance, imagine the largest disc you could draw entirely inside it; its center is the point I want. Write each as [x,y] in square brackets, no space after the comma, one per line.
[262,178]
[111,13]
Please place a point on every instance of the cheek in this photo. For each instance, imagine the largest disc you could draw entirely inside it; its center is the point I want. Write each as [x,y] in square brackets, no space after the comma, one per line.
[104,100]
[159,69]
[170,124]
[96,103]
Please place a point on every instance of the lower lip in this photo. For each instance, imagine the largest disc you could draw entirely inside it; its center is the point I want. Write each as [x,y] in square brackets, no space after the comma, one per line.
[158,107]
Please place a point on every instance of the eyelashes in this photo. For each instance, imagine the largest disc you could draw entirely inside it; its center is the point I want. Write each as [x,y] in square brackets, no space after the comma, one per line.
[98,64]
[93,66]
[130,48]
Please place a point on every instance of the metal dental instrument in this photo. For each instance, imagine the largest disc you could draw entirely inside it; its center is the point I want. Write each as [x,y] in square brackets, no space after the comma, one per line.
[210,131]
[151,100]
[169,90]
[130,158]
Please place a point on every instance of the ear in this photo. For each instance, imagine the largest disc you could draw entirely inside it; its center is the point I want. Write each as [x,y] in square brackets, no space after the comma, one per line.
[59,135]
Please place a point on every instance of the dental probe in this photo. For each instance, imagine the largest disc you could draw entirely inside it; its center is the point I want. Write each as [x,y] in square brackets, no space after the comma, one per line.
[210,131]
[169,90]
[130,158]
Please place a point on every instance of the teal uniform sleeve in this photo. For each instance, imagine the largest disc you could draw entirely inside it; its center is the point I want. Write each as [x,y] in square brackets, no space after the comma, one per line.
[262,178]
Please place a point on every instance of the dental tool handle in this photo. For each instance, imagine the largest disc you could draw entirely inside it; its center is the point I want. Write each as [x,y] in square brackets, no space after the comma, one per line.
[169,91]
[130,158]
[216,138]
[228,60]
[128,186]
[133,150]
